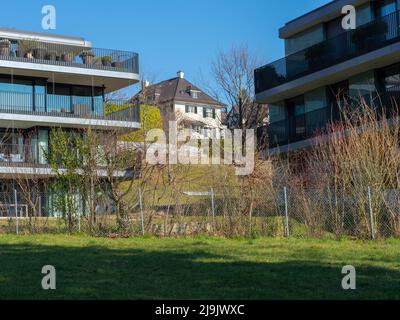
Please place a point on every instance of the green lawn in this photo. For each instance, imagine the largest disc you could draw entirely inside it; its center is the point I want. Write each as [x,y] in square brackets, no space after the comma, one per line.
[196,268]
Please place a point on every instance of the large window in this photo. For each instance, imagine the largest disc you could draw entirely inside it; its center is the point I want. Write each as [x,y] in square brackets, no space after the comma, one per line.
[389,81]
[58,98]
[296,108]
[74,99]
[334,27]
[385,7]
[26,95]
[304,39]
[16,94]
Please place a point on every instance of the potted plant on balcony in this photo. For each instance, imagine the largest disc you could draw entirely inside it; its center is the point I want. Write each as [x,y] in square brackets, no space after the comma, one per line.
[370,35]
[25,49]
[52,56]
[117,61]
[106,61]
[5,47]
[87,56]
[67,57]
[39,53]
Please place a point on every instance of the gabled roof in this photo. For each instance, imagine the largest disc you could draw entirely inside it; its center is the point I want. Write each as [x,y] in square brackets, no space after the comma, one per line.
[178,90]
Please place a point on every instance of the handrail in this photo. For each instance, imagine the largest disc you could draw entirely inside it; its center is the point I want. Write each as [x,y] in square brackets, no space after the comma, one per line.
[349,44]
[68,106]
[68,55]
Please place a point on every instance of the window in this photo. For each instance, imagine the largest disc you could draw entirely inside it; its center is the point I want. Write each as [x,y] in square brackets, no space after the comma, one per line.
[296,108]
[208,112]
[334,28]
[389,79]
[16,94]
[194,94]
[190,109]
[197,128]
[385,7]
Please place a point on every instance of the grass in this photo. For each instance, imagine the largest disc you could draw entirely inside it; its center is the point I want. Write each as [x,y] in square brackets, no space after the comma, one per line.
[196,268]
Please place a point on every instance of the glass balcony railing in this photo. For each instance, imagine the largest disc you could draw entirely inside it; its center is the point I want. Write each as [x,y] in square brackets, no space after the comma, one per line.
[300,127]
[68,106]
[67,55]
[350,44]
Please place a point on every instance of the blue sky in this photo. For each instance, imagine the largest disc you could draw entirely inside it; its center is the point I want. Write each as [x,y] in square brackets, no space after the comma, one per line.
[168,34]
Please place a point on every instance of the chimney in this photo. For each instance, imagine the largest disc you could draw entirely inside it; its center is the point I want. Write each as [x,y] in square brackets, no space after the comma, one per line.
[181,74]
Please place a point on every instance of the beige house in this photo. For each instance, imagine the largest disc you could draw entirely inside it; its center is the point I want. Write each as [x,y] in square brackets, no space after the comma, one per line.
[196,113]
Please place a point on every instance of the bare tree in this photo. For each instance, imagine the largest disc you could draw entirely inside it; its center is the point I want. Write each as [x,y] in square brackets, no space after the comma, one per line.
[233,72]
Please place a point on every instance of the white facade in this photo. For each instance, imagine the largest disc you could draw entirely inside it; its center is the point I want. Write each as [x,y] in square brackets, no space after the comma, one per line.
[202,123]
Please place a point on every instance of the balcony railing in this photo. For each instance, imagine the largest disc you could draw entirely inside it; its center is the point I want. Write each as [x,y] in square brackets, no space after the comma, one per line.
[366,38]
[67,55]
[300,127]
[21,154]
[68,106]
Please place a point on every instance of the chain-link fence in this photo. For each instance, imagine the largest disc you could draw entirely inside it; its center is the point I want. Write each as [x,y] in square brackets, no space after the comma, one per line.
[361,213]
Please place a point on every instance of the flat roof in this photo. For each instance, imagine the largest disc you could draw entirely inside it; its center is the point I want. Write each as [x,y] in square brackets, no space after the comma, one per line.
[15,34]
[324,13]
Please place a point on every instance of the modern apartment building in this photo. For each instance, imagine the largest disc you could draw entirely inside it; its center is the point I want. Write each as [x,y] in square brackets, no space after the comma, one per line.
[196,113]
[49,81]
[325,65]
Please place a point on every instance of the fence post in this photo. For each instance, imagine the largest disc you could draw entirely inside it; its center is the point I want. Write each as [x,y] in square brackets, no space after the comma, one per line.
[213,208]
[16,211]
[79,221]
[371,215]
[141,210]
[286,212]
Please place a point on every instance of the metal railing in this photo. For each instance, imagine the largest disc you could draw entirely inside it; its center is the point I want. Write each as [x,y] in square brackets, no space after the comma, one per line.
[68,106]
[366,38]
[67,55]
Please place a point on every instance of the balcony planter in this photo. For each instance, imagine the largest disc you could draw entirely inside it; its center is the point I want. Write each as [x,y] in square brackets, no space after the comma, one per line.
[117,64]
[370,35]
[5,47]
[106,61]
[52,56]
[67,57]
[87,57]
[26,48]
[39,53]
[29,54]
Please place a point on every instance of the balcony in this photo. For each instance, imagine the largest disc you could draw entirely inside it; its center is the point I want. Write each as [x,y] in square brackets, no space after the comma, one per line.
[66,55]
[19,155]
[69,63]
[300,127]
[351,44]
[24,110]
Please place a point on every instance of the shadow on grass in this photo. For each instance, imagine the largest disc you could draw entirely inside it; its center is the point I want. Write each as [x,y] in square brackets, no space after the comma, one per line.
[101,273]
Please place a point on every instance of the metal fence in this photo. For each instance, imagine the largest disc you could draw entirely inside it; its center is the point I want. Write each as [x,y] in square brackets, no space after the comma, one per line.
[360,213]
[33,51]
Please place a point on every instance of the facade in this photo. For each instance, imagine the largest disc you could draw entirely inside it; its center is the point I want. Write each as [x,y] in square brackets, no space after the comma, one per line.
[325,65]
[49,81]
[196,113]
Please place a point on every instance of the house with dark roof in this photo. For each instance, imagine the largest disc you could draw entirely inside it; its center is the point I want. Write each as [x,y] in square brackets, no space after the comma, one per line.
[196,113]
